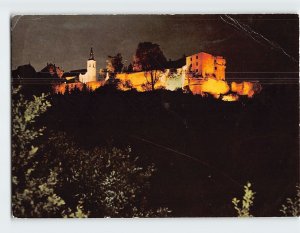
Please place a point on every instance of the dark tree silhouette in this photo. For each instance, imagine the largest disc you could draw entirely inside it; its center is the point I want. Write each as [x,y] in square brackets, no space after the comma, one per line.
[115,63]
[150,59]
[129,68]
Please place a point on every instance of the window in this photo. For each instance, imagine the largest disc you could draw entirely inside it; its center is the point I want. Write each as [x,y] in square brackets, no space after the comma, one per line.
[197,57]
[196,70]
[191,58]
[196,63]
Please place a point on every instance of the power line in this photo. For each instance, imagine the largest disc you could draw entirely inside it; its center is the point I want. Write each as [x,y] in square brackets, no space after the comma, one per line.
[189,157]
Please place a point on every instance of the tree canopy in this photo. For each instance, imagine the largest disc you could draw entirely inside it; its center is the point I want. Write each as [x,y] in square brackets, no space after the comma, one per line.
[149,57]
[115,63]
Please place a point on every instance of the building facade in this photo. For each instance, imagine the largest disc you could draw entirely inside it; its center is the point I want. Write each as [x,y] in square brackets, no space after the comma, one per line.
[91,74]
[206,65]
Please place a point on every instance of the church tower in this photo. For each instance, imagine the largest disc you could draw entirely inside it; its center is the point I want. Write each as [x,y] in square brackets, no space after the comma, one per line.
[91,67]
[91,74]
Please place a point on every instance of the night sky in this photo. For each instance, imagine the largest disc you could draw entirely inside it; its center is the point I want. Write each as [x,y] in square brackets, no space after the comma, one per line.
[271,45]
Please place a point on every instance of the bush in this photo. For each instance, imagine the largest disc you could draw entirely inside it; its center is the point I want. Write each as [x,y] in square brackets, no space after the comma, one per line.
[292,206]
[32,195]
[109,182]
[59,179]
[248,198]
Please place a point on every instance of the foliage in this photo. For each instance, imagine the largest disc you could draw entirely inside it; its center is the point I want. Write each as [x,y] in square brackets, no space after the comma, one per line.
[146,86]
[62,180]
[114,63]
[292,206]
[150,59]
[125,85]
[129,68]
[24,114]
[108,182]
[248,198]
[32,195]
[37,198]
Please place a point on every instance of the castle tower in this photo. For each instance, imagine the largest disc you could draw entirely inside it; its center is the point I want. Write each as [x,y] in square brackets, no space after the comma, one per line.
[91,74]
[207,65]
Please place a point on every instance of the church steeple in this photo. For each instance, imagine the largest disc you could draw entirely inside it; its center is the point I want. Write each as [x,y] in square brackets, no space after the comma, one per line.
[91,70]
[91,54]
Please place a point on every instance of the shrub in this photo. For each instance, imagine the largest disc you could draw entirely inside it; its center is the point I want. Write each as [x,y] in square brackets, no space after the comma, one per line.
[32,196]
[59,179]
[109,182]
[292,206]
[243,210]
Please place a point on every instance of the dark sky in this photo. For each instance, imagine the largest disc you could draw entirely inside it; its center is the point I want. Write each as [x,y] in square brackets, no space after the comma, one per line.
[66,40]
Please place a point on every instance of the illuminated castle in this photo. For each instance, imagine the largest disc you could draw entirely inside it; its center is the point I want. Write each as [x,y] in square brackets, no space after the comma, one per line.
[202,74]
[91,74]
[207,65]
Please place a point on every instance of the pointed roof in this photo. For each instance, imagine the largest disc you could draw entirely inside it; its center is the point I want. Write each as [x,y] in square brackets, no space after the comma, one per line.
[91,54]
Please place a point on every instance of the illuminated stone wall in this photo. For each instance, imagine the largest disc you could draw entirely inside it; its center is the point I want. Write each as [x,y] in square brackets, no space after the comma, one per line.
[208,85]
[139,80]
[61,88]
[246,88]
[220,66]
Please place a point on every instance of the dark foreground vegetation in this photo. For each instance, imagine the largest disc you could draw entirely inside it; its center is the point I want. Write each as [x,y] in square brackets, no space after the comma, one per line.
[194,153]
